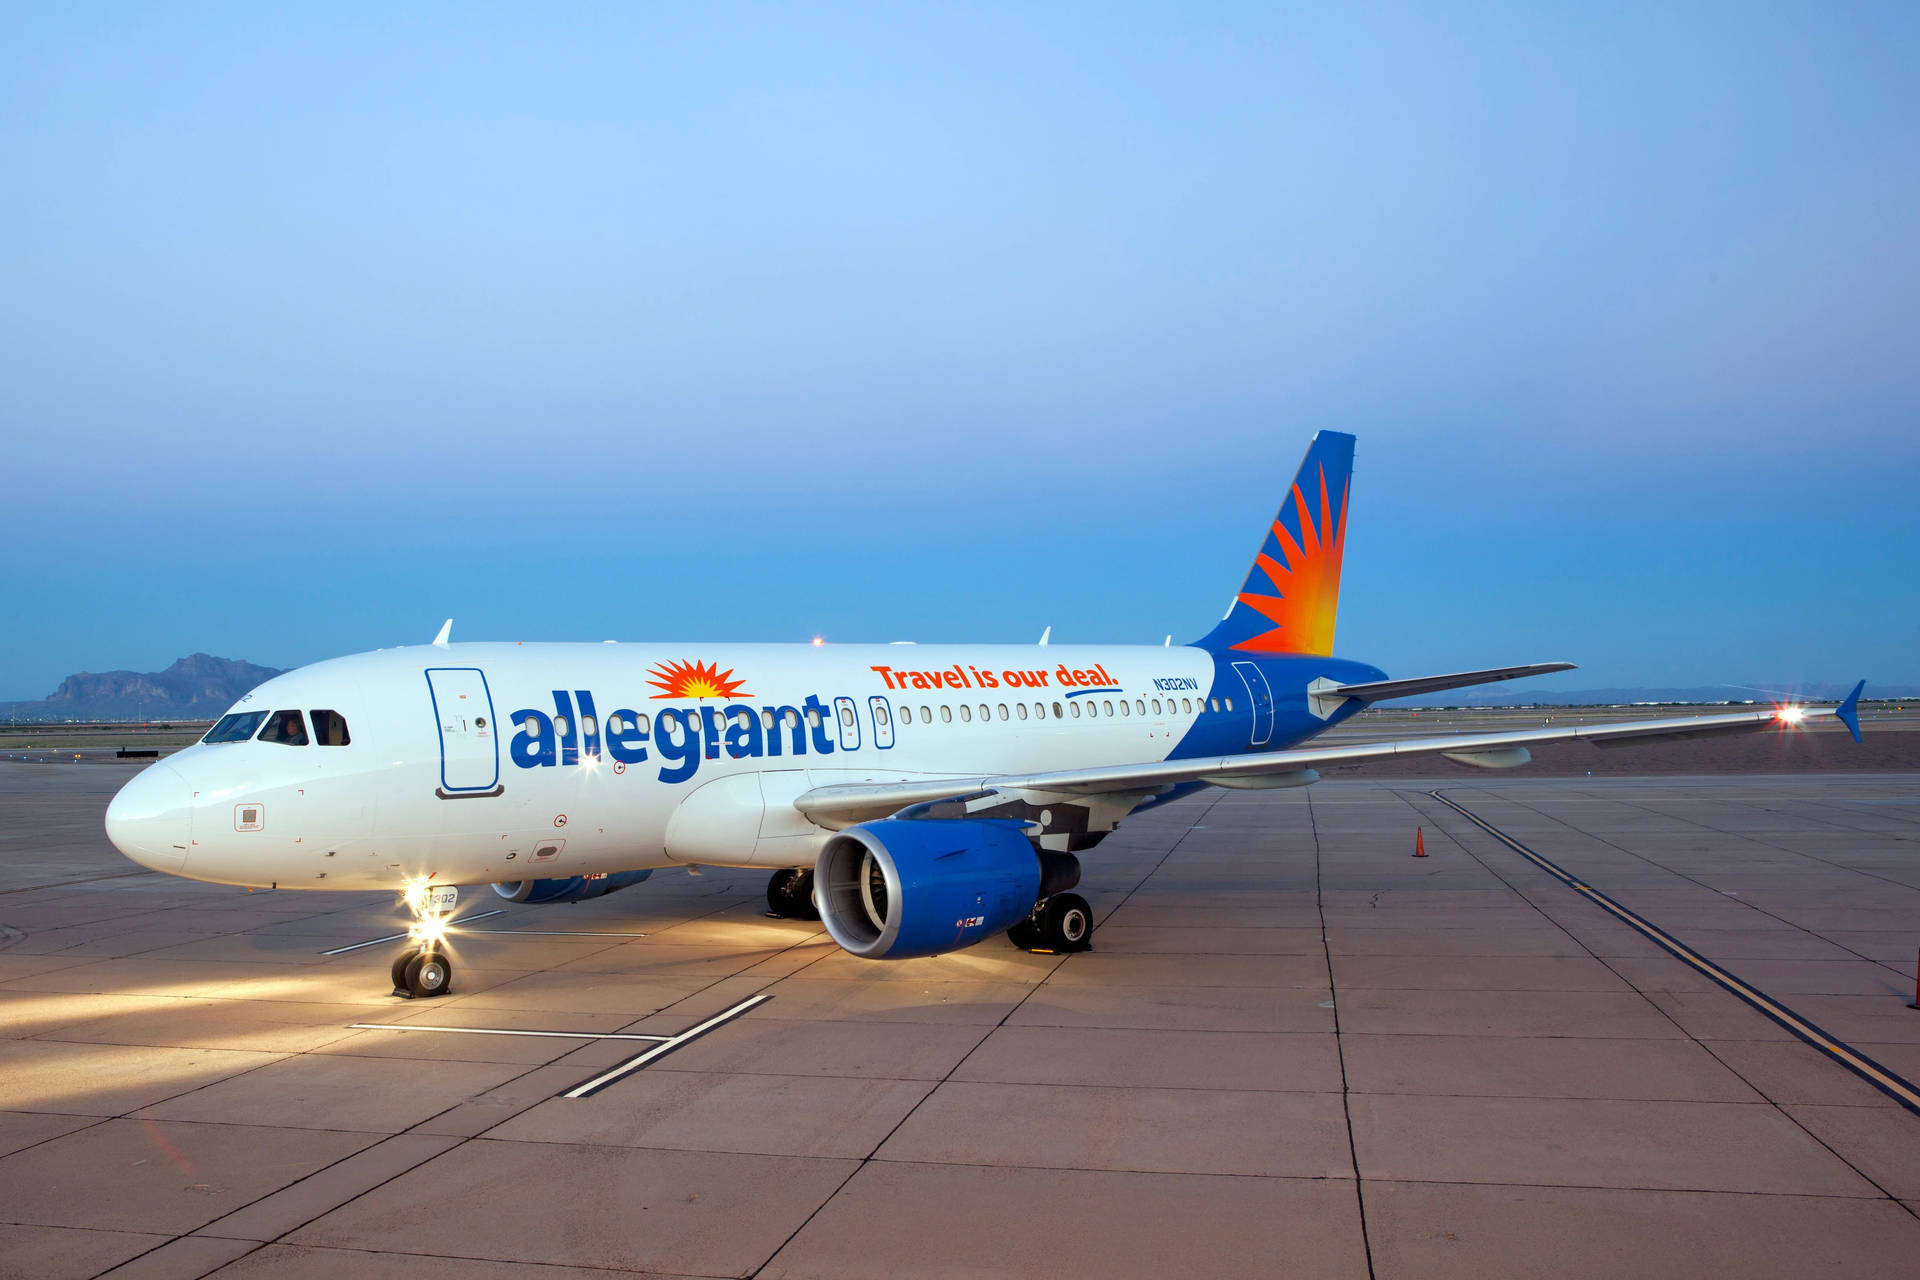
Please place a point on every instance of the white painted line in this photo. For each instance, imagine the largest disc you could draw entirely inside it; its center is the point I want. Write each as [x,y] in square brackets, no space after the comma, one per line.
[558,933]
[502,1031]
[590,1087]
[395,937]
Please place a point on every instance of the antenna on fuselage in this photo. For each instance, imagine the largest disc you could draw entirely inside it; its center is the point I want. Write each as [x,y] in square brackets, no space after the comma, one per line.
[446,629]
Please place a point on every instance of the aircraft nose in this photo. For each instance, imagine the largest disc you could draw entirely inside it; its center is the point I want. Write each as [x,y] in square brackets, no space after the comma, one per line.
[151,819]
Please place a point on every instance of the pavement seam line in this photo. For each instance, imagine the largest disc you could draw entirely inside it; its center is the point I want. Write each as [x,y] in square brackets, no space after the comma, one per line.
[1563,877]
[867,1159]
[1339,1043]
[1900,1089]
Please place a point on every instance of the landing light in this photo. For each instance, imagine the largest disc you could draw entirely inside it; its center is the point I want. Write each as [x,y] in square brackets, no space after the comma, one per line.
[1791,715]
[429,931]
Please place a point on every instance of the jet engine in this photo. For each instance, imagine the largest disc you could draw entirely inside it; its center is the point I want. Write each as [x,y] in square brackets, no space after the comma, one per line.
[567,888]
[898,888]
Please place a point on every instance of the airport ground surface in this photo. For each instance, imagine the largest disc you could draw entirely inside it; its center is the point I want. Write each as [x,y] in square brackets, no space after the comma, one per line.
[1295,1050]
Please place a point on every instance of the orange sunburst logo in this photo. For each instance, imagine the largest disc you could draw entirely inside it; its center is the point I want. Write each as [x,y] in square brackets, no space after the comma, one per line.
[1307,587]
[696,680]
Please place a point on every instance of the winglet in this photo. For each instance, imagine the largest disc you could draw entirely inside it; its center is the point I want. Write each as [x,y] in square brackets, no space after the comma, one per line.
[1849,711]
[1047,634]
[446,629]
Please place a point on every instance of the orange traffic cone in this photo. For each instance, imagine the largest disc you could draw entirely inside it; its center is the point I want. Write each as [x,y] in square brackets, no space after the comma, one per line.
[1419,842]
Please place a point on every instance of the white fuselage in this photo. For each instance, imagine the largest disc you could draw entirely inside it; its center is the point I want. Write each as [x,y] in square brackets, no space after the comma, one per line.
[506,762]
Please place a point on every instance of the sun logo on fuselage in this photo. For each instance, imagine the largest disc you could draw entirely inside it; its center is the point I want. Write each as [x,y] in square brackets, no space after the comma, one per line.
[1307,586]
[695,680]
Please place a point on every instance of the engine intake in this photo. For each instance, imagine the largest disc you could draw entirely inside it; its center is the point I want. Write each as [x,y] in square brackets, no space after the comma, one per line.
[567,888]
[897,888]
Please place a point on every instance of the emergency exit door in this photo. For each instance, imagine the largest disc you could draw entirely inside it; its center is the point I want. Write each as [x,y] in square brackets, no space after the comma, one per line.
[1260,694]
[469,737]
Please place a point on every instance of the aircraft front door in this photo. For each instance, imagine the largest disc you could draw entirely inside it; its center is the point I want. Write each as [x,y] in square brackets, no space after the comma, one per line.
[1260,697]
[469,737]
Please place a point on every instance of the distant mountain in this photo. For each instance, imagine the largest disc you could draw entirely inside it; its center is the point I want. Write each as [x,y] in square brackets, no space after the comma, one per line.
[199,687]
[1521,695]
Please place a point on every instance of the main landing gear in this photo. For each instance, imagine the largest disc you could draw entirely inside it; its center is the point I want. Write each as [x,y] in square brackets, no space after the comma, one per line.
[1062,923]
[790,895]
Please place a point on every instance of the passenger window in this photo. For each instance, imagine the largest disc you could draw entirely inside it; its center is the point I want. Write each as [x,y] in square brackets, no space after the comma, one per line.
[966,714]
[1021,707]
[588,728]
[1229,704]
[1076,709]
[846,716]
[669,722]
[237,727]
[946,714]
[792,718]
[1140,705]
[560,726]
[879,715]
[530,726]
[330,728]
[1107,707]
[1059,712]
[1186,706]
[1125,710]
[1156,706]
[288,728]
[926,715]
[766,719]
[742,719]
[642,723]
[616,724]
[906,715]
[813,718]
[1003,711]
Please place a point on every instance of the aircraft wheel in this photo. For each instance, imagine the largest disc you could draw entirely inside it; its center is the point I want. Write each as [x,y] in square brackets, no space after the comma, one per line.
[429,974]
[1067,923]
[790,895]
[400,963]
[1025,935]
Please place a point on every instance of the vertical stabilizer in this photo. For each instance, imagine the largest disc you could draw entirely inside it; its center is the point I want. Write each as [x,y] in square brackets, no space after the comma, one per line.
[1290,597]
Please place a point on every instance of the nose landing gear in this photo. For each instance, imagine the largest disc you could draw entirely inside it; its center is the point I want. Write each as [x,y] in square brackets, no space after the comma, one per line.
[423,970]
[1061,924]
[422,973]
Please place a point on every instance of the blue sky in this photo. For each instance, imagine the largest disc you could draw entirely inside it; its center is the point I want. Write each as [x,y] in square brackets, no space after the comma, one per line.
[954,322]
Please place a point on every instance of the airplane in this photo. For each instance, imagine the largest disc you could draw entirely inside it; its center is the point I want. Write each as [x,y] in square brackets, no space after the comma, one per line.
[916,799]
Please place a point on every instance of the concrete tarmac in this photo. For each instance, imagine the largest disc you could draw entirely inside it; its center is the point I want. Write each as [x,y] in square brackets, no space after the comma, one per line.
[1295,1050]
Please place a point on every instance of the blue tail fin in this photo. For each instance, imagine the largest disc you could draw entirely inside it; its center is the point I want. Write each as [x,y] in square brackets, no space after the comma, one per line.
[1290,597]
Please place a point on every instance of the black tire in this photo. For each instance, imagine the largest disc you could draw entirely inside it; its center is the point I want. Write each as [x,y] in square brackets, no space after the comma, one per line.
[400,963]
[1068,923]
[429,974]
[1025,935]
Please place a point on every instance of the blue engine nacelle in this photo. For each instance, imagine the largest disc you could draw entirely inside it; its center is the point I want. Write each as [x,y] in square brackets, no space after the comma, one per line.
[897,888]
[567,888]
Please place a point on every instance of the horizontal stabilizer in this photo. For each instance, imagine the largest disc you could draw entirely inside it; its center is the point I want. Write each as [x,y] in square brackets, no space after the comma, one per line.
[1381,690]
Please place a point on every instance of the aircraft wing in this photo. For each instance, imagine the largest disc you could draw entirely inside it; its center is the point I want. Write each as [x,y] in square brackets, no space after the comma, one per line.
[842,804]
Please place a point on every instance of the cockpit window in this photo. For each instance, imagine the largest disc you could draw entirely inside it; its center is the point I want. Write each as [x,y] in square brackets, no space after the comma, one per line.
[287,728]
[330,728]
[235,727]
